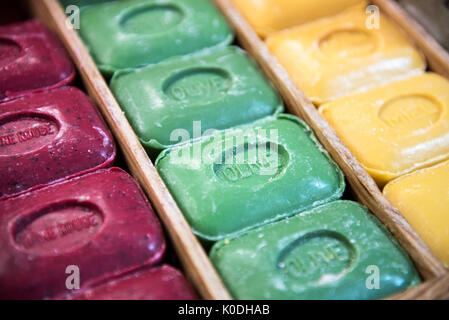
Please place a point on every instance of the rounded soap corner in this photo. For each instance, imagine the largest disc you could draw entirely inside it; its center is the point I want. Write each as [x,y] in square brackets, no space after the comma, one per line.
[118,170]
[154,148]
[279,109]
[227,42]
[215,249]
[217,246]
[237,49]
[391,184]
[107,70]
[323,108]
[295,119]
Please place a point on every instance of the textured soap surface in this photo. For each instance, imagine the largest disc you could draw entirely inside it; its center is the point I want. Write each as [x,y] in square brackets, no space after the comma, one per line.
[130,34]
[31,59]
[320,254]
[221,88]
[101,222]
[49,136]
[339,55]
[422,198]
[159,283]
[433,15]
[268,16]
[395,129]
[251,176]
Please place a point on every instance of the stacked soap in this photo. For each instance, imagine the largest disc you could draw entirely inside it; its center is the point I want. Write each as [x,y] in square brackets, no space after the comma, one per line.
[61,211]
[369,82]
[47,132]
[233,162]
[408,121]
[340,55]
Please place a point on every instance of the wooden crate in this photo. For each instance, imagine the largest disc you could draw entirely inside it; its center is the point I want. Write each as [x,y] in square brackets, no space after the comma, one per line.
[192,255]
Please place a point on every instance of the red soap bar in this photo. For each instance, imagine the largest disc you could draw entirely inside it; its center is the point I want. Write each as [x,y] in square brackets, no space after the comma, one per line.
[161,283]
[31,59]
[48,136]
[101,223]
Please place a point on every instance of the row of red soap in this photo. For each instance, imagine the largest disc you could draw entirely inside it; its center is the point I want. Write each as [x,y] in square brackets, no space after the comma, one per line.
[60,209]
[48,132]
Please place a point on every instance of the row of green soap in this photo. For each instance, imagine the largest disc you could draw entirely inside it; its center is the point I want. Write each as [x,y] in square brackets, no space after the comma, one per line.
[284,170]
[269,246]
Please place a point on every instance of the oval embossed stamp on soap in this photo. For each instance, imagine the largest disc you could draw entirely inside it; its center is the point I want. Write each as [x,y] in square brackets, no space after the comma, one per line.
[9,51]
[152,18]
[317,257]
[58,230]
[348,43]
[28,133]
[411,112]
[198,85]
[259,163]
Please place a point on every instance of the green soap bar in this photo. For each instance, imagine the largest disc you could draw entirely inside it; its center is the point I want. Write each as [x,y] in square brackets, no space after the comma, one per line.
[335,251]
[221,88]
[246,177]
[135,33]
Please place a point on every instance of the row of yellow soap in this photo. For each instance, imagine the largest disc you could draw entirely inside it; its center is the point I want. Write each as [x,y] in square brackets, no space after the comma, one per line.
[369,82]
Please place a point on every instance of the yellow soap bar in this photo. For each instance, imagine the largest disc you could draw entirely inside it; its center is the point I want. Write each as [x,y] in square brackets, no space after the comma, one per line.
[423,199]
[268,16]
[340,55]
[397,128]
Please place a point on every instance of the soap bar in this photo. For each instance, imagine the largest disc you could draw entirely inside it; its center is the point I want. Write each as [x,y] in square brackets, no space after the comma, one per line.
[160,283]
[100,223]
[395,129]
[49,136]
[433,16]
[249,176]
[31,59]
[222,88]
[338,56]
[323,254]
[130,34]
[422,198]
[268,16]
